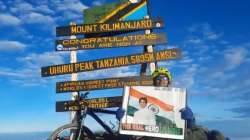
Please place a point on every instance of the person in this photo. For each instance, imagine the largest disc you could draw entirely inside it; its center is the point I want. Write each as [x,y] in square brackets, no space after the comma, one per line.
[162,77]
[144,115]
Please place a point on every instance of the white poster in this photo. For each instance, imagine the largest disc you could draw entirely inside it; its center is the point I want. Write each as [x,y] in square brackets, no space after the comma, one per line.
[153,111]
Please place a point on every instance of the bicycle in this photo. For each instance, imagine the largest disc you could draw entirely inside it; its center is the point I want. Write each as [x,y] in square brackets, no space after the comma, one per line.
[75,130]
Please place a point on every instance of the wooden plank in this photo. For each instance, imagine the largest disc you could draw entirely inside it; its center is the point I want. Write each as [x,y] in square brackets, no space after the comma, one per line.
[131,25]
[110,62]
[105,102]
[99,84]
[110,42]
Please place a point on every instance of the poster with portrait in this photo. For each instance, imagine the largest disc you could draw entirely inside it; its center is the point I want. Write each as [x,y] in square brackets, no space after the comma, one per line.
[153,111]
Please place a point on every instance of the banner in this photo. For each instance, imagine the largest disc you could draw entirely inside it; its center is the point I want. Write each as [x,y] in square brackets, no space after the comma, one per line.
[153,111]
[111,62]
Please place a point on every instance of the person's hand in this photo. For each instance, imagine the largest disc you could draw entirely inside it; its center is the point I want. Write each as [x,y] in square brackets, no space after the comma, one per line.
[187,115]
[119,113]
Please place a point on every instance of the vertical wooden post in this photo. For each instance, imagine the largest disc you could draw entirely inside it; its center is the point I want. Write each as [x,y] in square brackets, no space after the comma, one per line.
[147,49]
[73,59]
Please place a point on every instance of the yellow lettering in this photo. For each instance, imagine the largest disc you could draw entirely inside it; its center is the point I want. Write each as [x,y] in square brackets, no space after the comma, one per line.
[166,55]
[136,59]
[83,29]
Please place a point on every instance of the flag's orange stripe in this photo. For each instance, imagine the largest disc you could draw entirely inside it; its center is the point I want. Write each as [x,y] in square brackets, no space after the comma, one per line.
[150,99]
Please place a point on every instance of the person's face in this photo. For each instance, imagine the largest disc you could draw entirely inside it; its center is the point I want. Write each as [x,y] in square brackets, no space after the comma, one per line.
[162,81]
[143,103]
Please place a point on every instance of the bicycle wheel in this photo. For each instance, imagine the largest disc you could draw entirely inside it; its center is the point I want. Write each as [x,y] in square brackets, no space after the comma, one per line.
[63,133]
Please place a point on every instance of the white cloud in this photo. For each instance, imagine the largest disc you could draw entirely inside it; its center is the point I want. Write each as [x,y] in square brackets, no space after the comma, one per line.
[166,63]
[186,59]
[6,45]
[21,7]
[240,138]
[32,14]
[195,41]
[2,6]
[70,15]
[212,36]
[186,79]
[200,33]
[113,72]
[9,20]
[68,10]
[29,73]
[34,17]
[234,57]
[44,9]
[70,5]
[10,73]
[98,2]
[35,60]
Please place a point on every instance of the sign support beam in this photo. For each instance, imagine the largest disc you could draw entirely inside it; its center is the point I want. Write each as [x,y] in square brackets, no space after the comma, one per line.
[74,77]
[147,49]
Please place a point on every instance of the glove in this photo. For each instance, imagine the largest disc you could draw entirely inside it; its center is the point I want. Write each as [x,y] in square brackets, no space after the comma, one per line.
[187,115]
[119,113]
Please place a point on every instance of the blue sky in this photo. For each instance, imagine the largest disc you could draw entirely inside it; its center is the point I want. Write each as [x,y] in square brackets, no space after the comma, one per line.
[214,37]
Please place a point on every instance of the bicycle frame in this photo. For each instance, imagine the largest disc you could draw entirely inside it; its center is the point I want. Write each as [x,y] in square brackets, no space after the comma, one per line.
[81,114]
[92,112]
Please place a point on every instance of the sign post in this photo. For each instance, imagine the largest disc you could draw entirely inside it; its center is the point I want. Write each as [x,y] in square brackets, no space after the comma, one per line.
[148,49]
[73,59]
[100,31]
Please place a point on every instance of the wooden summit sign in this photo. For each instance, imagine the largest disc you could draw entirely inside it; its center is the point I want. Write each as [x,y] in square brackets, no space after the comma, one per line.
[110,62]
[109,27]
[105,102]
[110,42]
[108,83]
